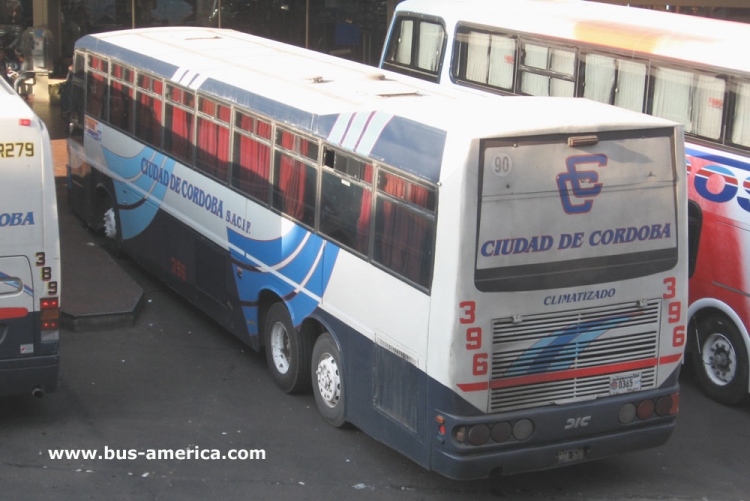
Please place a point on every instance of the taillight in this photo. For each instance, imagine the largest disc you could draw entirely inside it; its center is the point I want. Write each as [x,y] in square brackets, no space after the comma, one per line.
[50,313]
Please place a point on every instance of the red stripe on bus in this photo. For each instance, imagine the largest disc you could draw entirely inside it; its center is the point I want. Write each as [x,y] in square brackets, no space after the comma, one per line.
[574,373]
[670,359]
[8,313]
[474,386]
[563,375]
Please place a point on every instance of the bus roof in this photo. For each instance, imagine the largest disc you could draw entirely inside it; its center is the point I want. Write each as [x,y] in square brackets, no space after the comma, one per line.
[312,91]
[710,42]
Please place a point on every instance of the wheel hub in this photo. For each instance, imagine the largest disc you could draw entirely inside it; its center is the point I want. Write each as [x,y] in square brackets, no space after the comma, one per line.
[280,348]
[720,359]
[110,224]
[329,381]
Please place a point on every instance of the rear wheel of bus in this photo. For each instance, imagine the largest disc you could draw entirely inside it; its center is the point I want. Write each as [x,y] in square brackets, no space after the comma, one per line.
[328,380]
[721,360]
[287,350]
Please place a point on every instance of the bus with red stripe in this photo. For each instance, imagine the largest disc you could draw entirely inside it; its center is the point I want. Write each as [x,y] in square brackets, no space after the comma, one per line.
[485,285]
[680,67]
[29,252]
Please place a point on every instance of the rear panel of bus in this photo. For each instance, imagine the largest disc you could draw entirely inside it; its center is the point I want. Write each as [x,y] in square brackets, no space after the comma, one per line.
[573,308]
[29,253]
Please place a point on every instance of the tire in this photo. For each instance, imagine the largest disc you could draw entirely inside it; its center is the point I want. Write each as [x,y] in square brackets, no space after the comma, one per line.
[720,361]
[328,381]
[287,350]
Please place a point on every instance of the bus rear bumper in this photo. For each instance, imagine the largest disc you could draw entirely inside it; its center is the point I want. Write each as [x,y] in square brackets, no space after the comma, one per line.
[546,457]
[29,376]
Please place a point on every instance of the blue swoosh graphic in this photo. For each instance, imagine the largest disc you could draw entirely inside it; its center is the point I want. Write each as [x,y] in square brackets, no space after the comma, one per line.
[561,349]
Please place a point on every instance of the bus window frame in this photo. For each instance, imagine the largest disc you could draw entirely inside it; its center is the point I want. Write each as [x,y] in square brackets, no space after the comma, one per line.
[730,107]
[648,63]
[522,41]
[235,129]
[455,76]
[582,50]
[367,186]
[412,69]
[126,84]
[167,123]
[430,216]
[154,95]
[719,141]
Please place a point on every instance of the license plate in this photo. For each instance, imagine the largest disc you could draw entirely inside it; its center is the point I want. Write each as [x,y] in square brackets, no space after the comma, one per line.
[570,455]
[624,384]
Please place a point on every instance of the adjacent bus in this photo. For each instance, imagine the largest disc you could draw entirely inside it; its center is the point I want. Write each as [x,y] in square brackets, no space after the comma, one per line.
[687,69]
[29,252]
[485,285]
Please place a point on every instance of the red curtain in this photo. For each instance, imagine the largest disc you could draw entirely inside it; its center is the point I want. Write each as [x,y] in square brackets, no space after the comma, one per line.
[363,223]
[292,179]
[404,247]
[148,119]
[254,168]
[213,148]
[254,162]
[179,144]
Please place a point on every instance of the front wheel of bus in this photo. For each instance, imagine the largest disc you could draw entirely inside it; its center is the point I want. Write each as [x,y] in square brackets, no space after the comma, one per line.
[287,350]
[328,380]
[720,361]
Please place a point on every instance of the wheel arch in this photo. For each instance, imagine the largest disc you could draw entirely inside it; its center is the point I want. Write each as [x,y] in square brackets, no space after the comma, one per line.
[707,307]
[102,193]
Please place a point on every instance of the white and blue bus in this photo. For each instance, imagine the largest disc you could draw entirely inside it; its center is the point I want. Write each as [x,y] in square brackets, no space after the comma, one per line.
[29,252]
[485,285]
[683,68]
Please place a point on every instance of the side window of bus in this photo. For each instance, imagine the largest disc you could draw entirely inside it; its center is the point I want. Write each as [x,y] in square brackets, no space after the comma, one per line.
[148,109]
[484,58]
[96,88]
[295,176]
[346,200]
[695,100]
[400,49]
[212,155]
[178,123]
[77,97]
[121,94]
[405,228]
[417,45]
[740,125]
[546,71]
[251,159]
[612,80]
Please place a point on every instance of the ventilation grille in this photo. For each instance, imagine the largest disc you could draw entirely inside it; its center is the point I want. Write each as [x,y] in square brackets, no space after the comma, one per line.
[553,357]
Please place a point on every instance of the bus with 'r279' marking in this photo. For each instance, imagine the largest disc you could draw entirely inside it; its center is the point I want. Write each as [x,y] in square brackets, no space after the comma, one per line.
[29,252]
[485,285]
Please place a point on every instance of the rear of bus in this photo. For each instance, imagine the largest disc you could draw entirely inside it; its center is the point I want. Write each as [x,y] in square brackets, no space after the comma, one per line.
[29,252]
[569,323]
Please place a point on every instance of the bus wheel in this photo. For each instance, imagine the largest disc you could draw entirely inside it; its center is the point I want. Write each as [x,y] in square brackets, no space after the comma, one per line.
[328,380]
[721,361]
[287,350]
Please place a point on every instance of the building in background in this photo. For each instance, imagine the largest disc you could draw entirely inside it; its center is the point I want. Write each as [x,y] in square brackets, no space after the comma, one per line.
[354,29]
